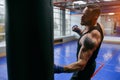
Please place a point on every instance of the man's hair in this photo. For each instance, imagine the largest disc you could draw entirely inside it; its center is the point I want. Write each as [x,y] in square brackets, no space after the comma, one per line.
[95,9]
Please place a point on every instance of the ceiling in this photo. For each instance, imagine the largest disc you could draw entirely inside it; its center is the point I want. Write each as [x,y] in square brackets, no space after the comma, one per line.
[107,6]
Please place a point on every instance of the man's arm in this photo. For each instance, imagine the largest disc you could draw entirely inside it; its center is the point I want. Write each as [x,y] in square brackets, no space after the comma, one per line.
[89,44]
[84,54]
[83,57]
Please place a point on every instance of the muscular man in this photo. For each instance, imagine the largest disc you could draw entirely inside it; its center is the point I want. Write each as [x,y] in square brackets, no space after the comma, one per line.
[88,46]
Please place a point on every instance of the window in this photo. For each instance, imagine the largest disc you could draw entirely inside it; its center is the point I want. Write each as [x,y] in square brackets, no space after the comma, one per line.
[59,26]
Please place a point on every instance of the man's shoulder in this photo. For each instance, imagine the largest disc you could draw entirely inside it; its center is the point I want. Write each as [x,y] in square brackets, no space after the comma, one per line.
[95,32]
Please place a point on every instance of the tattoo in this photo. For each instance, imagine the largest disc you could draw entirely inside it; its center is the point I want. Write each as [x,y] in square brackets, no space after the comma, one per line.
[88,43]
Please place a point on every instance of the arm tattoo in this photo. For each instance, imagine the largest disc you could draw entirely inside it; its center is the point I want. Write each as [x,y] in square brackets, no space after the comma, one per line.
[88,43]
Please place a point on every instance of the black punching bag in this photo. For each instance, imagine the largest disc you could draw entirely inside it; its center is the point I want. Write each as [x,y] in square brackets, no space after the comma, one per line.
[29,39]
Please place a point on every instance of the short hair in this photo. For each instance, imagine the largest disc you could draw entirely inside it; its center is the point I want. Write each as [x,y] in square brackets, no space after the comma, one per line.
[95,8]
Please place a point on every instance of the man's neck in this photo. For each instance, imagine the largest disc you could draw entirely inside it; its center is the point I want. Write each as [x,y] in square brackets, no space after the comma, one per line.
[89,27]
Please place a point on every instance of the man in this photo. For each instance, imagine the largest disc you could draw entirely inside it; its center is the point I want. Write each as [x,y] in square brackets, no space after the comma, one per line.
[88,45]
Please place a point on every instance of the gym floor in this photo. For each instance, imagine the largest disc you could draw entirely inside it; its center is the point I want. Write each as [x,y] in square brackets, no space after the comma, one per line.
[3,69]
[108,60]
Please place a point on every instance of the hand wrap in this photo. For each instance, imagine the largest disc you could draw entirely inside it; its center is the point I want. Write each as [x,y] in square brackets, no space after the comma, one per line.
[76,29]
[58,69]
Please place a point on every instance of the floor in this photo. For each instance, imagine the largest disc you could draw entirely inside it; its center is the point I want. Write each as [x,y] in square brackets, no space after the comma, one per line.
[3,69]
[108,60]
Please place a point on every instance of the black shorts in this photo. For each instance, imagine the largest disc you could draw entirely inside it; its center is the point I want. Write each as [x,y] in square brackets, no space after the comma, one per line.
[86,74]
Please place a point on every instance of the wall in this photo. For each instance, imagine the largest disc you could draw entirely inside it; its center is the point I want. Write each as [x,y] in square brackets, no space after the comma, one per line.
[108,23]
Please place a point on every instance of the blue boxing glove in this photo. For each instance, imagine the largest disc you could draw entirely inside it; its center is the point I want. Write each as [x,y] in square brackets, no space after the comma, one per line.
[58,69]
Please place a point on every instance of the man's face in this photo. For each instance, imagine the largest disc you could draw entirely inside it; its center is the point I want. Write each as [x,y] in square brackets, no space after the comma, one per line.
[87,17]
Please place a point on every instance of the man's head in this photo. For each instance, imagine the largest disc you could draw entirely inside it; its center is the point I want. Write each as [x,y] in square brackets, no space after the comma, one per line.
[90,15]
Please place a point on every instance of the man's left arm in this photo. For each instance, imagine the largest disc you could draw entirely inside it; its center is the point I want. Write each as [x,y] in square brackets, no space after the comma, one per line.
[89,44]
